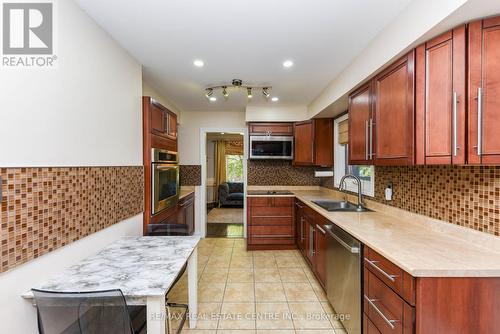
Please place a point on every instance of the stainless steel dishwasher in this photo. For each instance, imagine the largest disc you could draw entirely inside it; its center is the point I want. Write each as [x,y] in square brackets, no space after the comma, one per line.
[344,277]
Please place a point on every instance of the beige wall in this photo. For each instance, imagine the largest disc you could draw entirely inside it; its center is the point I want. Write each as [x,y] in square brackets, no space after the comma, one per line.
[193,121]
[418,18]
[276,113]
[85,112]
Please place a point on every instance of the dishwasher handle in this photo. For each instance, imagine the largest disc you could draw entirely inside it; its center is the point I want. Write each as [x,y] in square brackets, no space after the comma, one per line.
[354,250]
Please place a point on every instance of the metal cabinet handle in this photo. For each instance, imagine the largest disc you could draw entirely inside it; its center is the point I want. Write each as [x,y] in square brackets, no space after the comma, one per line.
[390,322]
[320,229]
[372,263]
[455,127]
[299,206]
[367,140]
[479,121]
[372,154]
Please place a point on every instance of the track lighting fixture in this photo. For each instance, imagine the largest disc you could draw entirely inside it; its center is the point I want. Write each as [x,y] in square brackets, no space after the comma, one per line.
[209,92]
[235,83]
[265,92]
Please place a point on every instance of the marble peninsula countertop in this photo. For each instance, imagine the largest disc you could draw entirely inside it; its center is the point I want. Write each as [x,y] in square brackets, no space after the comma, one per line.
[139,266]
[422,246]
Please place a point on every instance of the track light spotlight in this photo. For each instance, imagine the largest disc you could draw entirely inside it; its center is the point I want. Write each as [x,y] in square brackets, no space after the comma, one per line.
[265,92]
[249,92]
[209,92]
[224,92]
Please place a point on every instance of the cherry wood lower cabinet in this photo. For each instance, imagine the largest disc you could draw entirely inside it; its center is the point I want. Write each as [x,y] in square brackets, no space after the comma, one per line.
[270,223]
[186,212]
[311,239]
[396,302]
[320,248]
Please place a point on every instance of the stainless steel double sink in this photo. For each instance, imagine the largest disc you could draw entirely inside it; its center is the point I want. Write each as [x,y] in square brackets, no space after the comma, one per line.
[343,206]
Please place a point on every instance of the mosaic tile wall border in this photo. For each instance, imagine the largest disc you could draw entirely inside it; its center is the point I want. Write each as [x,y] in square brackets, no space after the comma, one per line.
[47,208]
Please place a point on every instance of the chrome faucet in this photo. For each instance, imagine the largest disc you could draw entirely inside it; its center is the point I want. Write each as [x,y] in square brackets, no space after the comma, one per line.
[343,188]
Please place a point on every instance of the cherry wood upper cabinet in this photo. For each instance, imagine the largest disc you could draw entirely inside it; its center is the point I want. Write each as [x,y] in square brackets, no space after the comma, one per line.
[484,91]
[360,122]
[394,114]
[171,124]
[276,129]
[313,142]
[441,99]
[157,118]
[161,122]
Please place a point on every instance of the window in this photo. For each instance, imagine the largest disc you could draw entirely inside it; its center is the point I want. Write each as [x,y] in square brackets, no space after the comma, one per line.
[365,173]
[234,168]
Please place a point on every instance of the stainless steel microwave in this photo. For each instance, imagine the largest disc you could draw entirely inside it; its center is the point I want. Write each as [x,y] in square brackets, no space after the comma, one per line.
[271,147]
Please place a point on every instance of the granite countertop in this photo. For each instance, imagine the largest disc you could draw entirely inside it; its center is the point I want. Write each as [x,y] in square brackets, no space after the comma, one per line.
[186,191]
[139,266]
[422,246]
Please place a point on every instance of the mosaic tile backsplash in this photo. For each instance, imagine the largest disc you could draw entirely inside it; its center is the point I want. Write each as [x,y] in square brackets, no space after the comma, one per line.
[46,208]
[463,195]
[190,175]
[283,173]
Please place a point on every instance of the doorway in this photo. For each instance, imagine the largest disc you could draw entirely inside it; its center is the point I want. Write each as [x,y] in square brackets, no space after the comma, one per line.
[224,183]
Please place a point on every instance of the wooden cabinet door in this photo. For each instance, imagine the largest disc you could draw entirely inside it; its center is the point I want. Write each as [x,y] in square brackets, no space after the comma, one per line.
[484,91]
[440,99]
[171,125]
[310,240]
[276,129]
[303,143]
[157,119]
[186,213]
[320,253]
[393,106]
[360,120]
[323,142]
[189,216]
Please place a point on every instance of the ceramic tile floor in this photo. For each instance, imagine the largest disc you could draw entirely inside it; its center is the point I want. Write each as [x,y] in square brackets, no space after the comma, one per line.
[256,292]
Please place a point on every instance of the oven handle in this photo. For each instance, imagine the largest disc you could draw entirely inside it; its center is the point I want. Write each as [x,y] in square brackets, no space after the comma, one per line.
[164,166]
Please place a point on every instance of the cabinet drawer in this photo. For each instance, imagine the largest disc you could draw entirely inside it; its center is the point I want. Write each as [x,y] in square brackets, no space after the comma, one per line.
[273,221]
[368,326]
[385,308]
[259,201]
[270,240]
[393,276]
[263,231]
[283,201]
[261,211]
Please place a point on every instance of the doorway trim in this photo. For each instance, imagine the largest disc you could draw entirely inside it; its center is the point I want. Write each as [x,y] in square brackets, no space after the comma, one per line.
[203,160]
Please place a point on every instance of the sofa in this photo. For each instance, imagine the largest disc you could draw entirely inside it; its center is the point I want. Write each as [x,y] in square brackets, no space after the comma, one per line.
[231,194]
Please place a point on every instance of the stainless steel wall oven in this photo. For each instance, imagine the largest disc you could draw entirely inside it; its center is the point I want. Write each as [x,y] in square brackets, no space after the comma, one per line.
[164,180]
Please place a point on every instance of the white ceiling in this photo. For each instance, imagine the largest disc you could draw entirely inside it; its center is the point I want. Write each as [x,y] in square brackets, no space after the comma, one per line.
[242,39]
